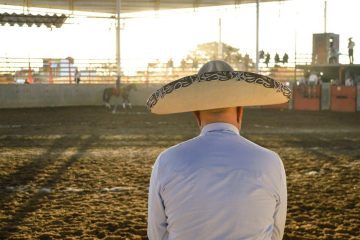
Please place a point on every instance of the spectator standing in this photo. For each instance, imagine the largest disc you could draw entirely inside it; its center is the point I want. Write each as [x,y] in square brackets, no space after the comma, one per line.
[170,66]
[267,59]
[246,62]
[77,76]
[276,59]
[333,59]
[262,54]
[183,64]
[195,63]
[117,83]
[349,82]
[285,58]
[313,81]
[351,46]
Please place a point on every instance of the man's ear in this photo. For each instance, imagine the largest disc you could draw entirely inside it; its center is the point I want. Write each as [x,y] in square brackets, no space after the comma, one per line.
[197,116]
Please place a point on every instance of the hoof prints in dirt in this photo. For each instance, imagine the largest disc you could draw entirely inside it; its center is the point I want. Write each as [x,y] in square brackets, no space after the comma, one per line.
[87,177]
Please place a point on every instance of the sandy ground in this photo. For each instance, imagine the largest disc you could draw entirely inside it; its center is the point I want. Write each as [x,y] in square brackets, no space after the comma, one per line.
[83,173]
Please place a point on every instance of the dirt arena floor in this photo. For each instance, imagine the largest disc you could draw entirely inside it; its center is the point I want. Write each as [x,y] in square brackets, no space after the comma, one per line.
[83,173]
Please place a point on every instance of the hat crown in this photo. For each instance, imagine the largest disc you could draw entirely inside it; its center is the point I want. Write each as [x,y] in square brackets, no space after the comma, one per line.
[215,66]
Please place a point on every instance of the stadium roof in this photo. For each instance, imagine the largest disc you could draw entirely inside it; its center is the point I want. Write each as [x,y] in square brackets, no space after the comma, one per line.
[127,6]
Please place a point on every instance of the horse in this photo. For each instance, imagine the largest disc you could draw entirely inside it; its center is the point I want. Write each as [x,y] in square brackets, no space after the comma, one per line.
[123,92]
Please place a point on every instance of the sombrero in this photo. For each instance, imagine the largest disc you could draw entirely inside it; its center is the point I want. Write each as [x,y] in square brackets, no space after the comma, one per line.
[217,85]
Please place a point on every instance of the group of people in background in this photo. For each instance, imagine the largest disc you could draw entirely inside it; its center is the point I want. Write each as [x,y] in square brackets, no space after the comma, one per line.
[266,57]
[277,60]
[245,60]
[314,78]
[334,53]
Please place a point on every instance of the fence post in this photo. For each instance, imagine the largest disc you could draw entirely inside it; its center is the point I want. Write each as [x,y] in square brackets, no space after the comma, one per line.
[30,78]
[358,98]
[325,96]
[291,101]
[51,80]
[69,70]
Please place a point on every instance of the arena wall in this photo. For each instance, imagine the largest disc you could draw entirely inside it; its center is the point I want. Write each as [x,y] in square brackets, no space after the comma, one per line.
[325,96]
[57,95]
[343,99]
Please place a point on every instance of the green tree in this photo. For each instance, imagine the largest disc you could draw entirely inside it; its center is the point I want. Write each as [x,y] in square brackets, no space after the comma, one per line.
[209,51]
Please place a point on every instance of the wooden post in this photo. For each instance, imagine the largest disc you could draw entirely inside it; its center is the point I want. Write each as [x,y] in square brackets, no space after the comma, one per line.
[51,80]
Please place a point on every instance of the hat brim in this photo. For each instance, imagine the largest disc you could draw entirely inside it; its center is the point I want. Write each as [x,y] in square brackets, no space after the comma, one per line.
[217,90]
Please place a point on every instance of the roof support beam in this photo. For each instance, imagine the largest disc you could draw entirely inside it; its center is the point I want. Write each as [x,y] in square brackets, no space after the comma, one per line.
[238,2]
[128,6]
[220,44]
[118,49]
[27,4]
[257,36]
[196,3]
[157,5]
[71,6]
[325,15]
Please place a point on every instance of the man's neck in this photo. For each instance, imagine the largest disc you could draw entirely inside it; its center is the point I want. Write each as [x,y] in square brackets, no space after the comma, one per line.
[234,123]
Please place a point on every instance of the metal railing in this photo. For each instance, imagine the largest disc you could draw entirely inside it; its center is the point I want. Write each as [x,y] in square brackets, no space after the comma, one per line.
[95,71]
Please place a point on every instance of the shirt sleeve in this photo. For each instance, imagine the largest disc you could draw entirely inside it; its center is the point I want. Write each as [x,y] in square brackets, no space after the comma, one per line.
[281,208]
[157,225]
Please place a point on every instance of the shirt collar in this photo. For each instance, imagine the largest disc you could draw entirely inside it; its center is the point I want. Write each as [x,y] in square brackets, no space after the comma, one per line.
[219,127]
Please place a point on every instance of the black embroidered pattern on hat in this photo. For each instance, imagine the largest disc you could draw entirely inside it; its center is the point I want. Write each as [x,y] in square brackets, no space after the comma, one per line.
[218,76]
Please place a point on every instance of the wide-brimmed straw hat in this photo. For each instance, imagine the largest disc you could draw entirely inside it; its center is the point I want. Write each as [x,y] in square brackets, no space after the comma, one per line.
[217,85]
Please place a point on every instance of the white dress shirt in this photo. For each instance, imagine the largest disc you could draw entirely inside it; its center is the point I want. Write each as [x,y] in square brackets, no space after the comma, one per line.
[217,185]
